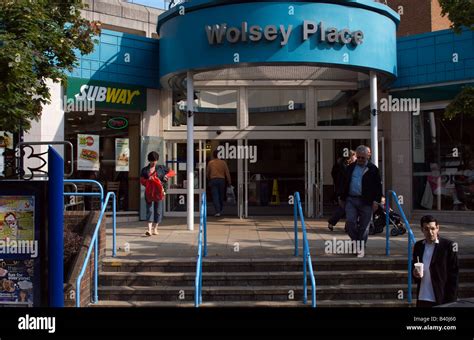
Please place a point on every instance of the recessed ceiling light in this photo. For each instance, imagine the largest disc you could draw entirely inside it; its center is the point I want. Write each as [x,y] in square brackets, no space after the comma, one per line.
[70,119]
[104,114]
[74,125]
[104,121]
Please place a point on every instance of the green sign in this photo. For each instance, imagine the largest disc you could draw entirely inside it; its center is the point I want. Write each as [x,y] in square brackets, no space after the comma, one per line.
[106,94]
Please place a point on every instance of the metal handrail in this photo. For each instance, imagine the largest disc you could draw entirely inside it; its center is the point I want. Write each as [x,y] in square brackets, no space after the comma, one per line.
[44,143]
[202,250]
[101,194]
[411,236]
[95,242]
[307,263]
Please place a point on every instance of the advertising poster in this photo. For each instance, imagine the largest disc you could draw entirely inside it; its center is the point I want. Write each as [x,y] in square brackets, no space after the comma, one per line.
[122,154]
[88,152]
[16,283]
[17,222]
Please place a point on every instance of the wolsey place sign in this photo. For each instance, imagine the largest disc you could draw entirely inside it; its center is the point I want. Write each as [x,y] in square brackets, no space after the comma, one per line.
[255,33]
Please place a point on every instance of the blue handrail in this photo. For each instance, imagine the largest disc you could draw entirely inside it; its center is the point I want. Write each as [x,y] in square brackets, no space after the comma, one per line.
[307,263]
[202,250]
[101,194]
[411,236]
[95,240]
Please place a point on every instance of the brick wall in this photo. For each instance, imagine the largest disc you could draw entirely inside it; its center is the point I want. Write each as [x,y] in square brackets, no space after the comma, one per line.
[438,22]
[87,280]
[418,16]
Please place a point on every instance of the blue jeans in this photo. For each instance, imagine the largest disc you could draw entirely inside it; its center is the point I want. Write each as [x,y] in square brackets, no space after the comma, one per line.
[157,211]
[358,216]
[218,191]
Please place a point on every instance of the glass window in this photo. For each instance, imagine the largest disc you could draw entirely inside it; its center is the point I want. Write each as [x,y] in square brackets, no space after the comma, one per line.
[443,161]
[212,108]
[343,108]
[118,152]
[277,107]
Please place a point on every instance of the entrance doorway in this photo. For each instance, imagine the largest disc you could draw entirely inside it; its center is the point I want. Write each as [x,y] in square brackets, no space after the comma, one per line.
[273,176]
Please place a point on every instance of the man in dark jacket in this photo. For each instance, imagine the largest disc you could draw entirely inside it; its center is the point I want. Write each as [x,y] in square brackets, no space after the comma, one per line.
[438,282]
[361,190]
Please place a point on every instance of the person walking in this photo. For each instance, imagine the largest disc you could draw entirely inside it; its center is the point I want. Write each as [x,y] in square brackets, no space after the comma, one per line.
[155,179]
[437,282]
[361,192]
[337,174]
[218,174]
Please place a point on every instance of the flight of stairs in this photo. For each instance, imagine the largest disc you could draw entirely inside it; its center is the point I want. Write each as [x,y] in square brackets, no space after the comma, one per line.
[275,282]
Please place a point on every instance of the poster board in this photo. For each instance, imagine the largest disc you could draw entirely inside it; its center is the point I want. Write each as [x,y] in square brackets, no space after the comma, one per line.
[88,152]
[122,154]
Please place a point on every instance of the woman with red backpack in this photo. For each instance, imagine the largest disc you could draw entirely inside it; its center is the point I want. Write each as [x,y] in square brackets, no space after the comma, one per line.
[154,178]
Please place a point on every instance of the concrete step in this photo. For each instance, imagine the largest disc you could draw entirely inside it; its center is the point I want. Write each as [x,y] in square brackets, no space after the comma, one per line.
[329,263]
[293,278]
[268,293]
[255,304]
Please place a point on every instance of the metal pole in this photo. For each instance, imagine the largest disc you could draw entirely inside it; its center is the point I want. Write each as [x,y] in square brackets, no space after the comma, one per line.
[190,150]
[373,119]
[114,221]
[387,224]
[205,224]
[295,217]
[409,268]
[55,228]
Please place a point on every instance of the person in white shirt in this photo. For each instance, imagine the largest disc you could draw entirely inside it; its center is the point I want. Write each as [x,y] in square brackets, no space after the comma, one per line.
[438,283]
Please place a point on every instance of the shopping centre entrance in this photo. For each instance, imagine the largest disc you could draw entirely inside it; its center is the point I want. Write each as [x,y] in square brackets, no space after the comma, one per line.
[265,174]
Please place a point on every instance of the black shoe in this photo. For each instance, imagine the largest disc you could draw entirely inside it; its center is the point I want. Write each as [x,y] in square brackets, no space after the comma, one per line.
[330,227]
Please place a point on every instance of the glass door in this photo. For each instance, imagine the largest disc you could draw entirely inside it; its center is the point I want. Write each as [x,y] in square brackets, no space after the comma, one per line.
[175,158]
[273,175]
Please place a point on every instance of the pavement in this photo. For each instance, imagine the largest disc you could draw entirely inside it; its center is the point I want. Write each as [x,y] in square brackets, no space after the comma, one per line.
[230,237]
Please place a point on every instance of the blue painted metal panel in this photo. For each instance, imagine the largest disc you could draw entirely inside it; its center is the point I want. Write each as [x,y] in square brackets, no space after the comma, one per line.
[434,62]
[107,61]
[55,228]
[180,33]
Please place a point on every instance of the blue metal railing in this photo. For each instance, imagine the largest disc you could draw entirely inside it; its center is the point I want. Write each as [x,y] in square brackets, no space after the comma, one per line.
[411,236]
[307,263]
[202,250]
[95,239]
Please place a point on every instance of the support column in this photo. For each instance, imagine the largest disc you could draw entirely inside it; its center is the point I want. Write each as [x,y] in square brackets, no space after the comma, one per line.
[374,136]
[55,228]
[190,150]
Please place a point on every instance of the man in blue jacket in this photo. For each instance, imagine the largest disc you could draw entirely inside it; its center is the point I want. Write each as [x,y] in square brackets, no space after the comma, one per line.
[361,191]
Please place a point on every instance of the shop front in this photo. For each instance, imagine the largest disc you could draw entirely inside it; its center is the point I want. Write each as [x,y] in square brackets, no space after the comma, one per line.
[289,84]
[103,122]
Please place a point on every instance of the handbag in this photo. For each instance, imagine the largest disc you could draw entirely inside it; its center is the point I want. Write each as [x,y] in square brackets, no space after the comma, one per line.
[230,195]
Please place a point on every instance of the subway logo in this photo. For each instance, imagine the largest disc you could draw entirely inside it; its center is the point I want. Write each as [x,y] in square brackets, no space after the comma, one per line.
[112,95]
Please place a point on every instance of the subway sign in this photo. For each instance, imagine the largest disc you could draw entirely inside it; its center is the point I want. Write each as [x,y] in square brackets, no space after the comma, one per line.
[218,33]
[107,94]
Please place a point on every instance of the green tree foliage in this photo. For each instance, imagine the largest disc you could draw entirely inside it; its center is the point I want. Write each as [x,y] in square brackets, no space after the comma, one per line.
[460,13]
[463,103]
[38,41]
